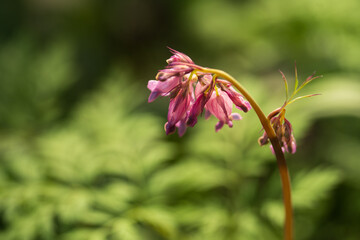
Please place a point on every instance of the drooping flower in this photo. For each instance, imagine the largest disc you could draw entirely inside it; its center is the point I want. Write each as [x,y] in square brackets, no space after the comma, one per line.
[280,124]
[220,105]
[178,111]
[191,91]
[162,88]
[283,131]
[203,91]
[237,98]
[179,64]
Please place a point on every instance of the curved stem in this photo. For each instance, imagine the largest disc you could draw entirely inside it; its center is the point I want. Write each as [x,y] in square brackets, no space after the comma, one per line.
[284,173]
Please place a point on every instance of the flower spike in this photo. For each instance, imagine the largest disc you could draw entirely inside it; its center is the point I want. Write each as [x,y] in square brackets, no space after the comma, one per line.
[191,91]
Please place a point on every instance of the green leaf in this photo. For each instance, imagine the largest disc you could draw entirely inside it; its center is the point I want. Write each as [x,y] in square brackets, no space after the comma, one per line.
[311,187]
[306,96]
[125,228]
[296,79]
[286,85]
[157,218]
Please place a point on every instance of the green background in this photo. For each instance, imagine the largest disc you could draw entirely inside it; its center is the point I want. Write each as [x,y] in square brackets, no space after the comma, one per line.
[84,156]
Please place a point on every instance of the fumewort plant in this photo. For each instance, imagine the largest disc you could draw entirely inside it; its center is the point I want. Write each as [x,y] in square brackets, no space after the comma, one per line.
[194,90]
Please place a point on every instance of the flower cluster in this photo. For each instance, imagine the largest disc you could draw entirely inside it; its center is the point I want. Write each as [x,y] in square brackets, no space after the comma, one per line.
[191,92]
[280,124]
[283,131]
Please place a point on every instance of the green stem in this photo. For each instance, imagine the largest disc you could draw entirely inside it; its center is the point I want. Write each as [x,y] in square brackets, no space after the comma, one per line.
[284,173]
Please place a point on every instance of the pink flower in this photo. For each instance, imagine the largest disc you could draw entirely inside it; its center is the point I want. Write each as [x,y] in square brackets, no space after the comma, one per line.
[179,64]
[162,88]
[283,130]
[203,91]
[178,111]
[191,91]
[220,105]
[178,57]
[237,98]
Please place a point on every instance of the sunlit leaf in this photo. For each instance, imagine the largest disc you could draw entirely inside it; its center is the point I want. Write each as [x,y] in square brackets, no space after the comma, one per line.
[311,187]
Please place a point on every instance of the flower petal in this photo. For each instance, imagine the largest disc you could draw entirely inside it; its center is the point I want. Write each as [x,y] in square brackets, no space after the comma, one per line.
[169,128]
[217,107]
[264,139]
[207,114]
[181,125]
[179,106]
[196,110]
[237,99]
[219,125]
[159,88]
[178,57]
[235,116]
[202,98]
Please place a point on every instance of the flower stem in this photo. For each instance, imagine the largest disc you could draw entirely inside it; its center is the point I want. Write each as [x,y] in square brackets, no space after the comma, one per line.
[284,173]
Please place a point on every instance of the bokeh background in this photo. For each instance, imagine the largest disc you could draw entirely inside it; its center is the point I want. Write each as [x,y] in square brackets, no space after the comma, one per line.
[84,156]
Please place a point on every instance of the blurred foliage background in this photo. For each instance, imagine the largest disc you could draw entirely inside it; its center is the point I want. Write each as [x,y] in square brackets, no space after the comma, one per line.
[84,156]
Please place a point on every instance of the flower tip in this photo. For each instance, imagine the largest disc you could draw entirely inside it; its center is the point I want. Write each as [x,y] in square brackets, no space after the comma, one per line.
[154,94]
[191,121]
[263,140]
[178,57]
[244,108]
[291,146]
[171,49]
[219,125]
[152,97]
[161,76]
[182,130]
[235,116]
[169,129]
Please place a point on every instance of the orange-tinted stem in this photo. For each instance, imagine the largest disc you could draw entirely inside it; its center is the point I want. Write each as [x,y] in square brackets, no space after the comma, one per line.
[284,173]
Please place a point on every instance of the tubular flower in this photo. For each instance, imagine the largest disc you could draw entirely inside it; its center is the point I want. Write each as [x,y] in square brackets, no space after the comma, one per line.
[283,130]
[191,91]
[237,98]
[178,110]
[220,105]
